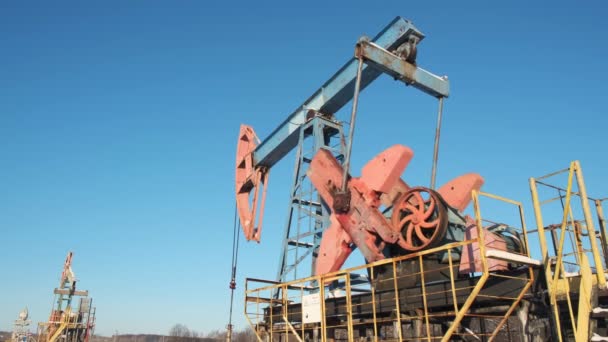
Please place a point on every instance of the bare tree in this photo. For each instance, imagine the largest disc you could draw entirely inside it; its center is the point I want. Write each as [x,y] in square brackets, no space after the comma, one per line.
[245,335]
[217,335]
[179,333]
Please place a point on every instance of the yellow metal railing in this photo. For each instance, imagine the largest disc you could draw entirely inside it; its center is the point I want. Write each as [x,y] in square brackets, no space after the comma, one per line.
[570,261]
[53,330]
[400,299]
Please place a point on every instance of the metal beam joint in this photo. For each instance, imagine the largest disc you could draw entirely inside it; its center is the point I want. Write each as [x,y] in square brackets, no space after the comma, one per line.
[401,69]
[333,94]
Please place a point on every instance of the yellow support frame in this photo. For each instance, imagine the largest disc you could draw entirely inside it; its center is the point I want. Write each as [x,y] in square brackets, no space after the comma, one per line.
[460,310]
[599,209]
[557,284]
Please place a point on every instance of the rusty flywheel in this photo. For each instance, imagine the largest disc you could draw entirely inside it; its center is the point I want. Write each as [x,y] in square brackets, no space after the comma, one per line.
[421,217]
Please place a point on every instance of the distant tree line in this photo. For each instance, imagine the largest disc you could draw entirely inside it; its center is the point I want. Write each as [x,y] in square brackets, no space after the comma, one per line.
[181,333]
[177,333]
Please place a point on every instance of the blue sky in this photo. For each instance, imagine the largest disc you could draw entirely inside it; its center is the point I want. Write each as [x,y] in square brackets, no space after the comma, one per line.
[118,126]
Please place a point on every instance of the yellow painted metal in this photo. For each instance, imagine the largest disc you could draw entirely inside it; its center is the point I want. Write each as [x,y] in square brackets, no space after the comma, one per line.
[560,255]
[257,308]
[599,209]
[288,324]
[283,313]
[577,242]
[271,338]
[480,233]
[423,314]
[560,248]
[570,307]
[373,288]
[53,330]
[329,277]
[58,332]
[499,198]
[524,229]
[426,312]
[601,277]
[564,285]
[558,284]
[65,321]
[302,325]
[251,324]
[530,274]
[554,173]
[513,305]
[482,280]
[323,322]
[584,302]
[349,308]
[397,306]
[540,227]
[452,280]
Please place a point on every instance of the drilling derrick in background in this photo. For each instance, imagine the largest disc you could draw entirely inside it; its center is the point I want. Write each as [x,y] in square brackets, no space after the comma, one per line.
[21,331]
[72,317]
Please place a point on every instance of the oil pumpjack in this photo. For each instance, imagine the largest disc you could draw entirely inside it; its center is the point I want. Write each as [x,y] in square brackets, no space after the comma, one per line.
[432,271]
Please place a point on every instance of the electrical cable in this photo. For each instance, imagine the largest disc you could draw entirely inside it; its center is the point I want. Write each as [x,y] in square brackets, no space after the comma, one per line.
[235,255]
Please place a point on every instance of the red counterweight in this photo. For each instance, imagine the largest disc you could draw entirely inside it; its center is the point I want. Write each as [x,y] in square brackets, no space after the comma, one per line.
[363,222]
[419,218]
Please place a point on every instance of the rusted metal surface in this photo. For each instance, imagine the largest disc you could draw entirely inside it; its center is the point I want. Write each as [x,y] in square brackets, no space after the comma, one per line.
[416,296]
[419,219]
[470,257]
[420,215]
[382,173]
[575,271]
[363,221]
[249,182]
[411,297]
[436,144]
[457,192]
[335,248]
[401,69]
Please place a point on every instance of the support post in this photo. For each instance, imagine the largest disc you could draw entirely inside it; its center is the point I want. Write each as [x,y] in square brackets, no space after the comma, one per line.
[582,189]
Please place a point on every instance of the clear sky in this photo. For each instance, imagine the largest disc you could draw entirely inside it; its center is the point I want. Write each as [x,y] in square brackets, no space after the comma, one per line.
[118,126]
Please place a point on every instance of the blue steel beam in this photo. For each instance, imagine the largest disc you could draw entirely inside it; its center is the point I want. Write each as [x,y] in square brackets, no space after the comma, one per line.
[398,68]
[332,96]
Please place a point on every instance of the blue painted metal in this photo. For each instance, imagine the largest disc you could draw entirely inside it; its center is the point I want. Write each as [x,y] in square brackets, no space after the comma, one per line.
[308,215]
[399,69]
[332,96]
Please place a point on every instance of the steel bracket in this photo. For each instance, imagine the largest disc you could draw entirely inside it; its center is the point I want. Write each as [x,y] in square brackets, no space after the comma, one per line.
[400,69]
